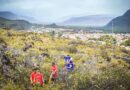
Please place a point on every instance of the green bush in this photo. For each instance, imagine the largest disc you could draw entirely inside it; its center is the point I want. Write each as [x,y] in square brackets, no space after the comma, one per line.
[127,42]
[110,79]
[108,39]
[72,49]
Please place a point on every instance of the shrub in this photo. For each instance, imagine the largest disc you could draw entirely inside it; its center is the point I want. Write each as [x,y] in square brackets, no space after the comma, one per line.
[72,49]
[110,79]
[108,39]
[127,42]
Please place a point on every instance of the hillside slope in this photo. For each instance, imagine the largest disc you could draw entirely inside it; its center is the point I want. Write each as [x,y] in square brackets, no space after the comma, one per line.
[14,24]
[92,20]
[96,66]
[121,24]
[8,15]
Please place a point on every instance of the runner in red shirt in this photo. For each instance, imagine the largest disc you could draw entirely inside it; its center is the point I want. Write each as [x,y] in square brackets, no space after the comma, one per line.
[36,78]
[32,77]
[54,74]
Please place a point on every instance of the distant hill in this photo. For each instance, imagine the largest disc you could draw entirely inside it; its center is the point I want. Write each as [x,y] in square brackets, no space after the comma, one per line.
[53,25]
[121,24]
[13,16]
[8,15]
[92,20]
[14,24]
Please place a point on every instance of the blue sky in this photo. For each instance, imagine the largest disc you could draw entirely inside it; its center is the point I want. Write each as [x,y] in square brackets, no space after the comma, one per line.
[53,10]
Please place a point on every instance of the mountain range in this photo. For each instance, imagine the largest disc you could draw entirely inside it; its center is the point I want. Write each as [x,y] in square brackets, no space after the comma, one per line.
[120,24]
[12,16]
[12,21]
[8,15]
[14,24]
[92,20]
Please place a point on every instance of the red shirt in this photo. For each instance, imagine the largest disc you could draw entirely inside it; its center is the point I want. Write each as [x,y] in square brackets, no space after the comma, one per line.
[33,77]
[37,77]
[55,71]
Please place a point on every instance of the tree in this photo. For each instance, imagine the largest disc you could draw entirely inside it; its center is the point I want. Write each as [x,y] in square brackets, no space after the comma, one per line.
[60,34]
[52,35]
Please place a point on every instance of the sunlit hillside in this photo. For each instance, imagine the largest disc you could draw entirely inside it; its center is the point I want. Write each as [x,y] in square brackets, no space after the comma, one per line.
[100,64]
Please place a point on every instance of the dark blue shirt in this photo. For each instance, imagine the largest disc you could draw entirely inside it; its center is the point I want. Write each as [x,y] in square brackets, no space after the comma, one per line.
[67,58]
[70,66]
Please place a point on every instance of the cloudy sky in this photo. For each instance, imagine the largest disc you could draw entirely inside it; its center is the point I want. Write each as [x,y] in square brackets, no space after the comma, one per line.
[52,10]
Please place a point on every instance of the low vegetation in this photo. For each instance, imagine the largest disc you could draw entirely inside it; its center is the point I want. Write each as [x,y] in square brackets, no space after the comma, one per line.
[127,42]
[97,66]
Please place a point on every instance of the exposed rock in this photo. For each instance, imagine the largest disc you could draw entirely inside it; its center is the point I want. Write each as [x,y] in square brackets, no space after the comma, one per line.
[28,62]
[5,60]
[7,71]
[27,46]
[40,57]
[45,55]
